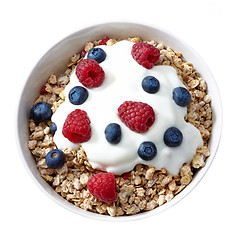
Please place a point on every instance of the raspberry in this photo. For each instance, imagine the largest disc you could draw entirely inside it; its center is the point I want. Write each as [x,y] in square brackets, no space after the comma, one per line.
[103,187]
[90,73]
[137,116]
[145,54]
[77,127]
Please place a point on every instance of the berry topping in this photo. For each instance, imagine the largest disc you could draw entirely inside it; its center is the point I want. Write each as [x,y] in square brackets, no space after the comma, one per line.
[90,73]
[53,128]
[173,137]
[147,151]
[78,95]
[97,54]
[150,84]
[55,159]
[104,41]
[145,54]
[103,187]
[41,112]
[137,116]
[77,127]
[113,133]
[181,96]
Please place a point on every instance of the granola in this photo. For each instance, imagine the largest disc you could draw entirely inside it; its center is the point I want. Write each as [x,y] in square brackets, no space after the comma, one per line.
[142,189]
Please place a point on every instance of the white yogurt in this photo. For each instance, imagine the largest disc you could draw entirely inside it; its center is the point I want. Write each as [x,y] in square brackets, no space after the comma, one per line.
[123,78]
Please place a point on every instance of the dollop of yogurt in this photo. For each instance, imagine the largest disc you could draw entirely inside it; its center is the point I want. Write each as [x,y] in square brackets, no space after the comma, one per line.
[123,82]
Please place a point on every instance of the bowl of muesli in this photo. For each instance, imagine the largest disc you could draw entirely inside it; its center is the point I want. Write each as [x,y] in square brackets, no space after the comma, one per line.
[119,121]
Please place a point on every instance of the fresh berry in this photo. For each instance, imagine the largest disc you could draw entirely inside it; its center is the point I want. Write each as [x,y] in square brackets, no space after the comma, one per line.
[147,151]
[113,133]
[103,187]
[145,54]
[150,84]
[43,90]
[90,73]
[78,95]
[104,41]
[97,54]
[181,96]
[77,127]
[173,137]
[55,159]
[137,116]
[41,112]
[53,128]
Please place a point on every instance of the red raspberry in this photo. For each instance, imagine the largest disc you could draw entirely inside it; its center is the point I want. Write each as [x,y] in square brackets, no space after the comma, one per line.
[77,127]
[145,54]
[90,73]
[103,187]
[137,116]
[104,41]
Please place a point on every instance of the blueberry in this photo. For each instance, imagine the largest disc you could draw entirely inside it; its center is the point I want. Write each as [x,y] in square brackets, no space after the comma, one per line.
[147,151]
[78,95]
[55,159]
[53,128]
[150,84]
[97,54]
[181,96]
[41,112]
[113,133]
[173,137]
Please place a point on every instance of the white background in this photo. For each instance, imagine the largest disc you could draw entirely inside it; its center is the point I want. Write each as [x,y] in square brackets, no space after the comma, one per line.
[212,28]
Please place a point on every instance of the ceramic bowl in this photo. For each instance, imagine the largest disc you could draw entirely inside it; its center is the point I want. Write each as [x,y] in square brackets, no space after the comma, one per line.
[54,62]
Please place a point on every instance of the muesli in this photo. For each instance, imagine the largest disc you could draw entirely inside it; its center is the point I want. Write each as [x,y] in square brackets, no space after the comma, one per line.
[150,176]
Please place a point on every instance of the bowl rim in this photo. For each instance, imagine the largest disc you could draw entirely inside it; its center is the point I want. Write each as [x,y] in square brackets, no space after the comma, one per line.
[71,207]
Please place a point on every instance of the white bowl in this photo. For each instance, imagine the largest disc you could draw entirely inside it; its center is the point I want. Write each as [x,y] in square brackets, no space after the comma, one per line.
[54,62]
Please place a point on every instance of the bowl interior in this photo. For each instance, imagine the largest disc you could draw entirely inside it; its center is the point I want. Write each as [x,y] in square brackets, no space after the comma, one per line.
[55,61]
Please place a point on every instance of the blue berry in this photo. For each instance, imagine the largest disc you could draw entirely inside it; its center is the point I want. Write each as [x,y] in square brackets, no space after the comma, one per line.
[113,133]
[173,137]
[78,95]
[97,54]
[150,84]
[147,151]
[41,112]
[55,159]
[181,96]
[53,128]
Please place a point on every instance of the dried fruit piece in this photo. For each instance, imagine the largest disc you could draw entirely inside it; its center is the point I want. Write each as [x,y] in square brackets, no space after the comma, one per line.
[104,41]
